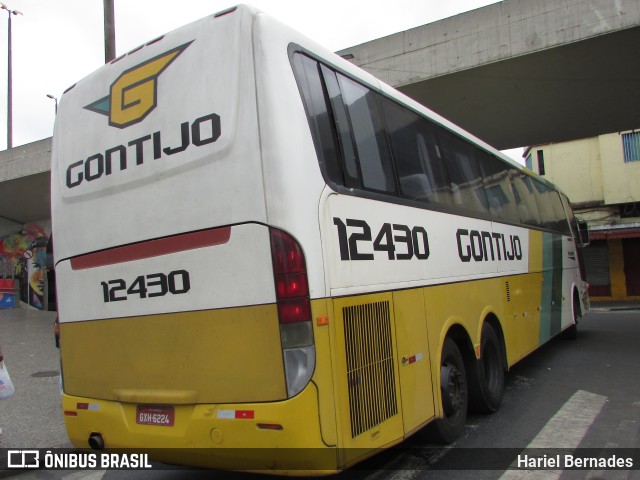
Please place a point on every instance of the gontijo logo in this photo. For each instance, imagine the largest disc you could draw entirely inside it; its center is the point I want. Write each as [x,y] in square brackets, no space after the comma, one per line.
[132,97]
[134,94]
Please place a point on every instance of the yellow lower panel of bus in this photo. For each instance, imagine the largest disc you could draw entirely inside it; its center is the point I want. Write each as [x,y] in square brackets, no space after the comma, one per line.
[513,301]
[219,356]
[283,436]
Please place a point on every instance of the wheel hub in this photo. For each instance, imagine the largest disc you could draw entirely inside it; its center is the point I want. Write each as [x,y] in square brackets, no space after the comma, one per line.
[451,382]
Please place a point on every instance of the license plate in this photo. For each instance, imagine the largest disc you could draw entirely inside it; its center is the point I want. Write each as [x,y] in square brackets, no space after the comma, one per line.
[161,416]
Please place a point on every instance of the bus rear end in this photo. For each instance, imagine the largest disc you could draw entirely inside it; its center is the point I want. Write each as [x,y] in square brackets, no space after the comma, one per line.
[185,319]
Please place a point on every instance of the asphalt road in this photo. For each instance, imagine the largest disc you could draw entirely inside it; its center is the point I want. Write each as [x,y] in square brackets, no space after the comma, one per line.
[570,394]
[582,393]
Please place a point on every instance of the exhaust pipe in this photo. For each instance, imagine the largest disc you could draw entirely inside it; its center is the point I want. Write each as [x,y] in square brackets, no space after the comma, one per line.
[96,442]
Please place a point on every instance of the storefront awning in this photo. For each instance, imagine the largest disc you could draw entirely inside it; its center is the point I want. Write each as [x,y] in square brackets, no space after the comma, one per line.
[614,233]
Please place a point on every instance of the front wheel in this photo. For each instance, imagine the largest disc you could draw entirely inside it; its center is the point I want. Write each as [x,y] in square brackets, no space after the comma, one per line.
[571,333]
[453,393]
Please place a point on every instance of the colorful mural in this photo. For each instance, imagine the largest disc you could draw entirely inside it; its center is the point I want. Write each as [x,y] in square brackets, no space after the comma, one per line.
[23,255]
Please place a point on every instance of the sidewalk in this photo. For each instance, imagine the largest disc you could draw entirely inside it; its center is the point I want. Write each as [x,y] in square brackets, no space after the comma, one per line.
[614,306]
[32,418]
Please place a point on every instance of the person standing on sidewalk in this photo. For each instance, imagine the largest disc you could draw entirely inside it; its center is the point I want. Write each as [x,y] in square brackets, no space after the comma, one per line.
[6,385]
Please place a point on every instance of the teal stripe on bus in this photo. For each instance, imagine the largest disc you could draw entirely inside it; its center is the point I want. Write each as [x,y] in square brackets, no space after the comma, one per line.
[551,314]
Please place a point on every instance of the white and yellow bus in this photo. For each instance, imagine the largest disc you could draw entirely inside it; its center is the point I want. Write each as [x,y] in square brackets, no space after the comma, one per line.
[267,259]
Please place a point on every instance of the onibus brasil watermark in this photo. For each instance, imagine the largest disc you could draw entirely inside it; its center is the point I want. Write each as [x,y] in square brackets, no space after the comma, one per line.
[69,460]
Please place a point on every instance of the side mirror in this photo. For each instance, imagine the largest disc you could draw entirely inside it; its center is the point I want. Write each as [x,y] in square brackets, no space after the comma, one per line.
[583,233]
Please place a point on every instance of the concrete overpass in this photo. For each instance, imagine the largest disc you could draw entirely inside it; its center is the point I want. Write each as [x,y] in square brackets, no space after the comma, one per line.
[25,192]
[516,73]
[520,72]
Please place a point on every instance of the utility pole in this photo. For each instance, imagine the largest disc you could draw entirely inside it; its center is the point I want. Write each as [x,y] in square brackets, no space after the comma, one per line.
[109,32]
[9,78]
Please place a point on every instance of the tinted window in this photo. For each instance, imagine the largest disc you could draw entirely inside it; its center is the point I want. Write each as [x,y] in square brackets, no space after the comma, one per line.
[366,141]
[550,208]
[497,185]
[416,155]
[523,193]
[343,129]
[372,151]
[561,219]
[467,185]
[310,85]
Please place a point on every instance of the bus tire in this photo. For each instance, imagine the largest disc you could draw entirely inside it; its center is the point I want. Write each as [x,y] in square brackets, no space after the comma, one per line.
[571,333]
[486,377]
[454,395]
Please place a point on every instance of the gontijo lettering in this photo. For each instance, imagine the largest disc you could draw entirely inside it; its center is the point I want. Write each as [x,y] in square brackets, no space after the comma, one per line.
[479,246]
[201,131]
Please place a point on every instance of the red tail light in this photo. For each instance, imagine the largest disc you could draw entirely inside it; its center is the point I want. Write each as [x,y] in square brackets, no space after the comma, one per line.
[290,273]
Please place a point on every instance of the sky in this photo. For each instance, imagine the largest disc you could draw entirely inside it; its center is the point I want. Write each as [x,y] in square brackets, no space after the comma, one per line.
[55,43]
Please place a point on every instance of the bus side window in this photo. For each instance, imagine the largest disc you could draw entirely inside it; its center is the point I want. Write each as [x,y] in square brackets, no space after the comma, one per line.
[307,75]
[416,155]
[524,213]
[527,205]
[464,172]
[550,206]
[543,200]
[369,136]
[499,192]
[560,222]
[342,126]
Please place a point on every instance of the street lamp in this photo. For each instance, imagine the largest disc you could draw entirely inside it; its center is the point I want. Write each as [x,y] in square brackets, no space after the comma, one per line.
[55,99]
[9,81]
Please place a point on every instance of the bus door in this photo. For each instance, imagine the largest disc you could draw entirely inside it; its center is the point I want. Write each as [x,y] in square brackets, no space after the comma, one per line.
[417,376]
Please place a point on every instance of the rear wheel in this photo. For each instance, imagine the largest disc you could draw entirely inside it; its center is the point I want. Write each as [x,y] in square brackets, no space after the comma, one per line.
[454,395]
[486,376]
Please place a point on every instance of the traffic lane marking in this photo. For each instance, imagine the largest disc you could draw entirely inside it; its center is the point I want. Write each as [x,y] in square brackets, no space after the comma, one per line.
[565,430]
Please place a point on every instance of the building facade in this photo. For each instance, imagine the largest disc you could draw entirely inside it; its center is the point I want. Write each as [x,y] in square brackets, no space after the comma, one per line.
[601,176]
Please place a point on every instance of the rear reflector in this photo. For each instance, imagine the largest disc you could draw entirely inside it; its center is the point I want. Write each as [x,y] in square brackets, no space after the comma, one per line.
[270,426]
[153,248]
[236,414]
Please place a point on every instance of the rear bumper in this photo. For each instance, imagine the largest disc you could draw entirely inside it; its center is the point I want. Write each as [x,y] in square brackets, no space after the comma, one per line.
[282,437]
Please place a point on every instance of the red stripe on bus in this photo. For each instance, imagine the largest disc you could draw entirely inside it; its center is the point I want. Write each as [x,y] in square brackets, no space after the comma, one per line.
[153,248]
